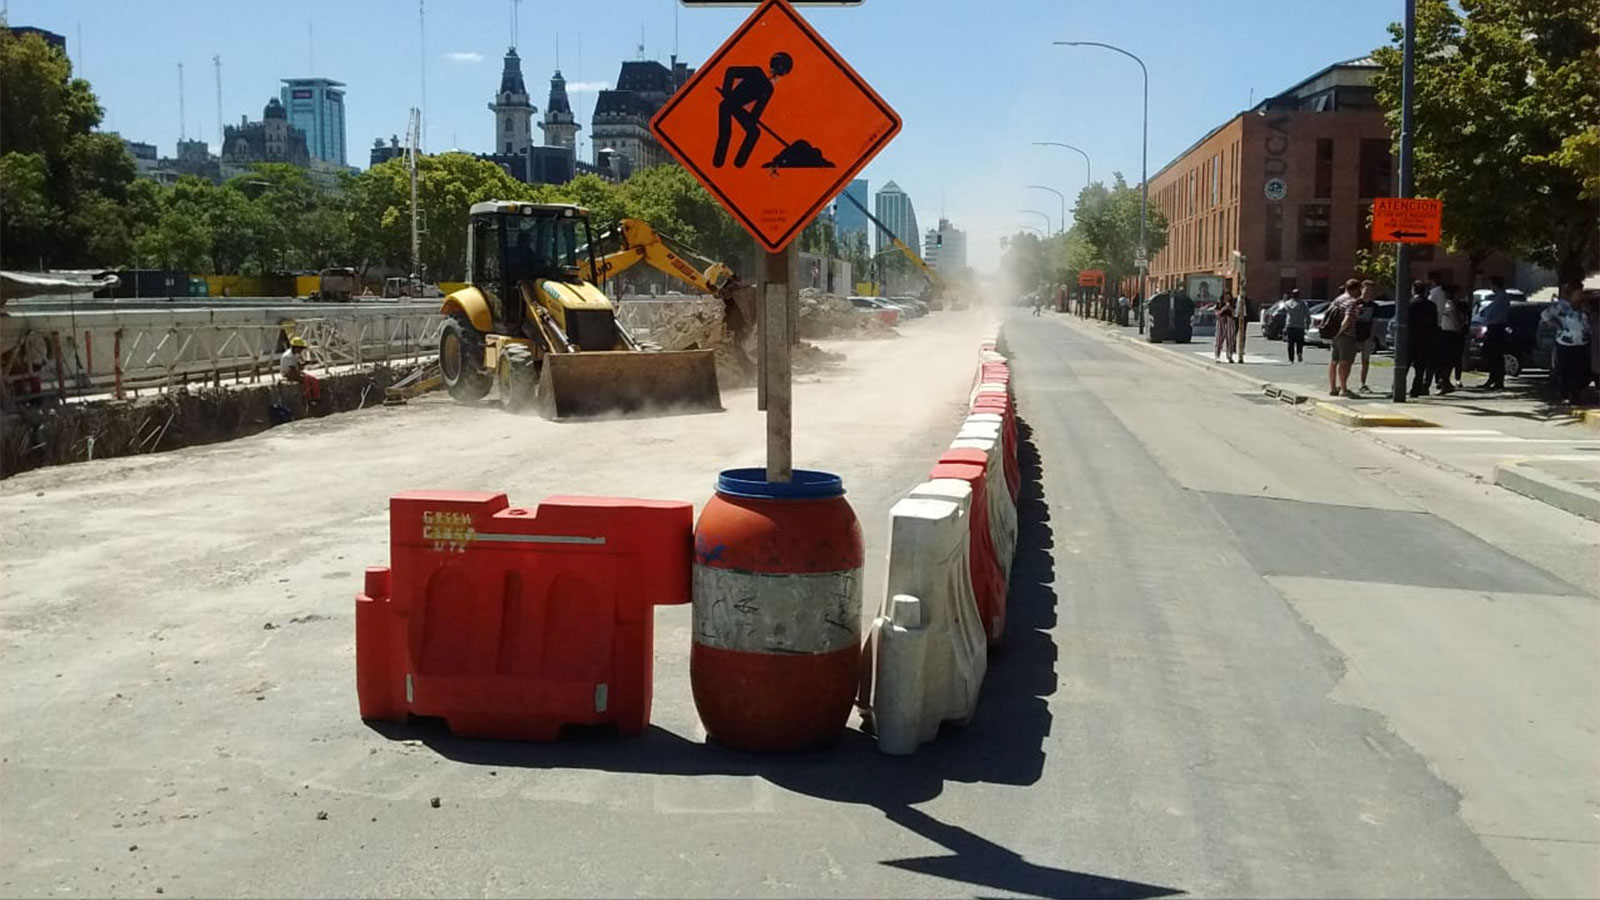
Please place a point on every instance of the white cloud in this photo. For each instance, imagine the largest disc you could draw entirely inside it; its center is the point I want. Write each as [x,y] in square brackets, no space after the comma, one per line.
[582,87]
[464,56]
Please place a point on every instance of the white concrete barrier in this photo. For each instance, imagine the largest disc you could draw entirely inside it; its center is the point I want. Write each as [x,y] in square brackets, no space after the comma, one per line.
[929,650]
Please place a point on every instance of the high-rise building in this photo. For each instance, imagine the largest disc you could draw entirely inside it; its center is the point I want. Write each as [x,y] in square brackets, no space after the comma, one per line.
[560,126]
[893,208]
[847,216]
[513,112]
[945,247]
[316,107]
[622,115]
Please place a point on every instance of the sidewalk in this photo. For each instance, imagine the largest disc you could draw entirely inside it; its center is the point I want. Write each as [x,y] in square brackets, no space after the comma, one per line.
[1512,438]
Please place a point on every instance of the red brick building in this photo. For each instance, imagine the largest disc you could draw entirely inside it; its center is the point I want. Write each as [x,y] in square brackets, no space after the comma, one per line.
[1288,186]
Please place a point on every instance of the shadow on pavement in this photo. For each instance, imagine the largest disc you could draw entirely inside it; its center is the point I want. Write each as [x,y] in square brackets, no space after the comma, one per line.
[1004,744]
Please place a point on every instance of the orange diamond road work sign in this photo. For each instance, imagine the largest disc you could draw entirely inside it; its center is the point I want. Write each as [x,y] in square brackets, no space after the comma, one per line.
[775,124]
[1406,221]
[1092,278]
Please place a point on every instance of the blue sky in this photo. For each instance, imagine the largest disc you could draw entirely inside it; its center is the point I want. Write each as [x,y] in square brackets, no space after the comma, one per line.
[975,80]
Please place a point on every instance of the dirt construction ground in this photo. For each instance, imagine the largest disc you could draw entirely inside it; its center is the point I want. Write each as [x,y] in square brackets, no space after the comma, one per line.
[178,653]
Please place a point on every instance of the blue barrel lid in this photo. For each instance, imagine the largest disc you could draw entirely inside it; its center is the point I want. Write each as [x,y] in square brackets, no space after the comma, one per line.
[806,484]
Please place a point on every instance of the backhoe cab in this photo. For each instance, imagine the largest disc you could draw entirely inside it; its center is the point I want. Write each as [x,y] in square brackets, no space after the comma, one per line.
[530,324]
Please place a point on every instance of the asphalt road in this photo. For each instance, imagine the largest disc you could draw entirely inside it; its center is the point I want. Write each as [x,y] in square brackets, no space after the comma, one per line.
[1249,654]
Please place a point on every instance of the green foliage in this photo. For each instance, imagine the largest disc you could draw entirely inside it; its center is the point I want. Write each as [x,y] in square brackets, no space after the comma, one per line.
[1106,224]
[64,186]
[1507,124]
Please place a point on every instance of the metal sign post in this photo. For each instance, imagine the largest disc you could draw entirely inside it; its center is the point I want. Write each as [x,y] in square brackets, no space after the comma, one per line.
[777,386]
[1402,268]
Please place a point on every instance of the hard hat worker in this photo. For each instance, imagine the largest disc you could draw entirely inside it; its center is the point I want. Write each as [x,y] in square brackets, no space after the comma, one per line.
[291,365]
[746,91]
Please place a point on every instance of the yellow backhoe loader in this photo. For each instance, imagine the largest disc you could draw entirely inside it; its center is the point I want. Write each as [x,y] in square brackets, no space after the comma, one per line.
[532,324]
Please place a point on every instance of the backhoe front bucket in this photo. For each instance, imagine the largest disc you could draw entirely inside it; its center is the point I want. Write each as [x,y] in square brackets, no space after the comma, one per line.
[596,382]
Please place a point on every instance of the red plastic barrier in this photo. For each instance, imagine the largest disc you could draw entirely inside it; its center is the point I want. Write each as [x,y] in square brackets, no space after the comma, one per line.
[510,623]
[999,404]
[988,582]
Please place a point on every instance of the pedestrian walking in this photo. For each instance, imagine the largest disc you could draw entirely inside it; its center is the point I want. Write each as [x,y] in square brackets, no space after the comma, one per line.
[1422,320]
[1038,301]
[1494,318]
[1339,327]
[1296,317]
[1241,318]
[1366,316]
[1445,347]
[1572,371]
[1226,335]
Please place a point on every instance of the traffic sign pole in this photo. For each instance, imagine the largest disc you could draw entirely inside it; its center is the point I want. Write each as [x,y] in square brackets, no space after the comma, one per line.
[1402,266]
[777,299]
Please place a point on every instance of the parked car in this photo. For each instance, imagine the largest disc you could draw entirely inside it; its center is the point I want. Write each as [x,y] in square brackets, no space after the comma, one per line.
[1529,342]
[889,315]
[1482,296]
[918,306]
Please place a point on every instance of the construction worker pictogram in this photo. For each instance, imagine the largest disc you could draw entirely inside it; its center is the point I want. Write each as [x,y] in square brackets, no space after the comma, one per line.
[775,124]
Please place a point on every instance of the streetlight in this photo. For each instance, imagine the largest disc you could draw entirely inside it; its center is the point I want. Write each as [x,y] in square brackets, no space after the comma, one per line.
[1088,168]
[1144,163]
[1045,216]
[1063,198]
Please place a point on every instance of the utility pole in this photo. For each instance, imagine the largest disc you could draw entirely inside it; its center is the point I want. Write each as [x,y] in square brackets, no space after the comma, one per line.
[216,63]
[413,136]
[1402,265]
[422,67]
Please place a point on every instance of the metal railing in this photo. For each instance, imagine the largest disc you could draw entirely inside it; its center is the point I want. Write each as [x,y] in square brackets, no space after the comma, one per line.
[116,361]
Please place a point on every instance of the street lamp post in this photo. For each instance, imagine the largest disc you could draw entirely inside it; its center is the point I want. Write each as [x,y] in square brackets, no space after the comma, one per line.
[1088,167]
[1062,197]
[1144,165]
[1043,215]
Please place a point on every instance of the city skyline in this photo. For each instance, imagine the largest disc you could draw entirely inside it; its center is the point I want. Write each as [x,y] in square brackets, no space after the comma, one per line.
[996,104]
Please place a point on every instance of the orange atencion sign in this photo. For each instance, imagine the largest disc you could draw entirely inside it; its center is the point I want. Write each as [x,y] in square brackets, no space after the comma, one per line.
[1397,220]
[775,124]
[1092,278]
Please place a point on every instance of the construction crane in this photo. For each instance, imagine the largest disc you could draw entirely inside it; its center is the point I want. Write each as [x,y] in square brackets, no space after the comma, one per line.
[935,282]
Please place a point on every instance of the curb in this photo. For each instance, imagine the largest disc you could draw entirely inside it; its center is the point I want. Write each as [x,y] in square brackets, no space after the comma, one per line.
[1344,415]
[1580,501]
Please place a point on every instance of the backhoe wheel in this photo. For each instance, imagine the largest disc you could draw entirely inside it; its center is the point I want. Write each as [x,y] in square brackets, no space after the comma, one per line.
[461,359]
[516,377]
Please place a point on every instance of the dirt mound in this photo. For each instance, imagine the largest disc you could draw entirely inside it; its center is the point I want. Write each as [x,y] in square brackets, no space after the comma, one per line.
[823,316]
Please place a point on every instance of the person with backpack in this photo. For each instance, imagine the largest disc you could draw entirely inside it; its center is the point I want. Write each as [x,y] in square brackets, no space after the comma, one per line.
[1338,328]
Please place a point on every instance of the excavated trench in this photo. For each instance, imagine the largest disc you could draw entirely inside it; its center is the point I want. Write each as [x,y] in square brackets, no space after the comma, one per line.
[45,436]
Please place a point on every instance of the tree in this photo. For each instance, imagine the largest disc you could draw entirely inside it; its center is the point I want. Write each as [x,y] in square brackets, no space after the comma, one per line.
[378,209]
[1106,221]
[1506,118]
[64,187]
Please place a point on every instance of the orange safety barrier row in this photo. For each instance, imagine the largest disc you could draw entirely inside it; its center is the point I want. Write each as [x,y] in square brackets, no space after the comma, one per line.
[513,623]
